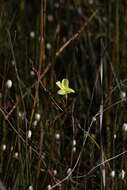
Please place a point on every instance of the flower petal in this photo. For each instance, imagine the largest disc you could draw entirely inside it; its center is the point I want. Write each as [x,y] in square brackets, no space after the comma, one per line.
[69,90]
[59,84]
[65,83]
[64,87]
[61,92]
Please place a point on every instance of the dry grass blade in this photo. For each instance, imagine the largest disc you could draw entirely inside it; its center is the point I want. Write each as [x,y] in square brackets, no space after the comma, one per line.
[77,34]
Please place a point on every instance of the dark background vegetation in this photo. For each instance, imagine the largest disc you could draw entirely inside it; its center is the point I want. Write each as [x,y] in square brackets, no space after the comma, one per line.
[45,159]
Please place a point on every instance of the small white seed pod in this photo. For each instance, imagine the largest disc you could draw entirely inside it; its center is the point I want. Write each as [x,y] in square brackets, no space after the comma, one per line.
[74,149]
[49,187]
[4,147]
[37,116]
[9,84]
[29,134]
[113,173]
[57,136]
[74,142]
[55,172]
[35,123]
[32,34]
[124,127]
[30,187]
[123,94]
[16,155]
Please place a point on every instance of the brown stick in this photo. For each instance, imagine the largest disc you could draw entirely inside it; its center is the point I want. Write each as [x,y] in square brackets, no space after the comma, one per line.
[77,34]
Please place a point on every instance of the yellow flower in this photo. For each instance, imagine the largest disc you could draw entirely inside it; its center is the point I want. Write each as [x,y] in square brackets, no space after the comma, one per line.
[64,87]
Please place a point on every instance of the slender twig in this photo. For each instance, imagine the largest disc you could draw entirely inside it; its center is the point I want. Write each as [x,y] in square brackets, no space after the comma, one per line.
[77,34]
[100,164]
[40,70]
[102,167]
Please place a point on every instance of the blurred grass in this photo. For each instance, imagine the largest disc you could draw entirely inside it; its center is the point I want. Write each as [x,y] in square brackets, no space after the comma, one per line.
[49,154]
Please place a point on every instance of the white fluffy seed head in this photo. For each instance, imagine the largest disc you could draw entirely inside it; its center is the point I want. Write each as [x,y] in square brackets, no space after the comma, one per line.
[74,149]
[112,174]
[29,134]
[115,136]
[8,83]
[69,171]
[16,155]
[32,34]
[32,73]
[124,127]
[55,172]
[122,174]
[123,94]
[50,18]
[30,187]
[48,46]
[35,123]
[49,187]
[74,142]
[37,116]
[57,136]
[4,147]
[21,115]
